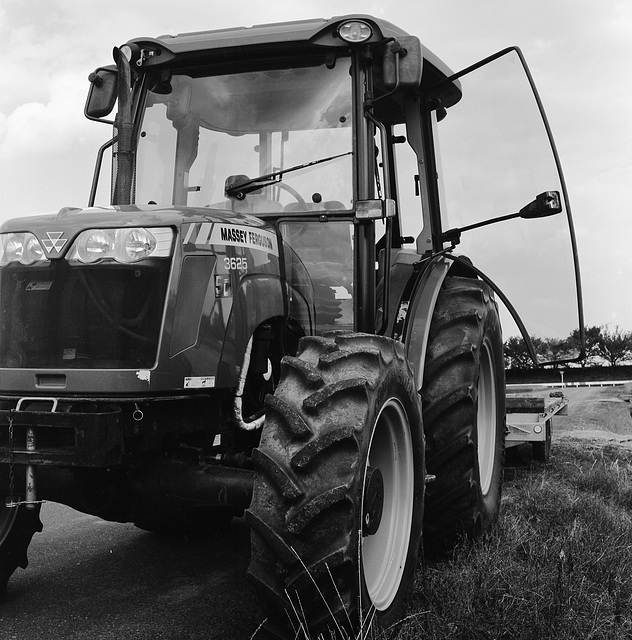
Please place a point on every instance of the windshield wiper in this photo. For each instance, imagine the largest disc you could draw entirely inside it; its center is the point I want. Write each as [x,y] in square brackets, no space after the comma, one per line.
[241,189]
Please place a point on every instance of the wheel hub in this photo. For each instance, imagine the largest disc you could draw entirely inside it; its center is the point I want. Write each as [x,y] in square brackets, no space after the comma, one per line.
[373,501]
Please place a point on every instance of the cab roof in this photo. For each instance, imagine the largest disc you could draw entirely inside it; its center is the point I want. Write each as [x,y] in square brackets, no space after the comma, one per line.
[316,33]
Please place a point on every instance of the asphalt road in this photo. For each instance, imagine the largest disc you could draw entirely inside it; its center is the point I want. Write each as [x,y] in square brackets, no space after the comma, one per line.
[92,579]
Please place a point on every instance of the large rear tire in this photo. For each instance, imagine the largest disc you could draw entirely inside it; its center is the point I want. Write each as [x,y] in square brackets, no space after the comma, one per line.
[17,527]
[337,508]
[464,413]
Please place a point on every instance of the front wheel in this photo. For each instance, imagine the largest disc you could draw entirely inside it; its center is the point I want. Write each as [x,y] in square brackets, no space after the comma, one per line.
[17,527]
[464,413]
[337,508]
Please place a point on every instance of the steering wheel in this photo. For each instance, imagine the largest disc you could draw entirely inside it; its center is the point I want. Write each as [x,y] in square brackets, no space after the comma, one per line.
[294,193]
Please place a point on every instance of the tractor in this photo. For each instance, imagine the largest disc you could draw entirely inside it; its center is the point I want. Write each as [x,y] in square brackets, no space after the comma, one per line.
[265,310]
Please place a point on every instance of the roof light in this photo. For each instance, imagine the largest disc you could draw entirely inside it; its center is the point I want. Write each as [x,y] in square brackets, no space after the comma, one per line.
[355,31]
[24,248]
[123,245]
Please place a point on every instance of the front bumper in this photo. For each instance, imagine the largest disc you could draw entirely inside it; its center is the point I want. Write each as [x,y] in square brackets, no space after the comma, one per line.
[73,439]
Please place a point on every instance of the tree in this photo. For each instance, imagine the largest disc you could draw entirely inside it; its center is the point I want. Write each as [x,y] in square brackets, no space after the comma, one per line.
[550,349]
[614,345]
[517,355]
[592,344]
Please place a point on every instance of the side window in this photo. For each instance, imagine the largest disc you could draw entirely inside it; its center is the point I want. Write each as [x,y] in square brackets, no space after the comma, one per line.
[409,202]
[406,172]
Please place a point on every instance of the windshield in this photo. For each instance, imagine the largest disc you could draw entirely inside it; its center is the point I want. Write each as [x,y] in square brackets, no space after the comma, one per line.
[284,134]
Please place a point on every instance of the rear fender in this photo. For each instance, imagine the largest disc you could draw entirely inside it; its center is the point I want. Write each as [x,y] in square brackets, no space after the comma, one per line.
[415,285]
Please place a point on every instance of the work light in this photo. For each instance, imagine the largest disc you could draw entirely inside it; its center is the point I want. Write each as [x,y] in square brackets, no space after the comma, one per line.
[355,31]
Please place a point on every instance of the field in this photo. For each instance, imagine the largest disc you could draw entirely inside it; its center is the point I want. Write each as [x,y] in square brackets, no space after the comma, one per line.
[559,563]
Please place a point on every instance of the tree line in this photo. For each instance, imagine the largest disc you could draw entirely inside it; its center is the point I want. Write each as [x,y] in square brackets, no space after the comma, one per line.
[604,345]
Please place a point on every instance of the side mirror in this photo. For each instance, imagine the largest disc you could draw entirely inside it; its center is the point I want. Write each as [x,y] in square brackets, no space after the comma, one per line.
[102,94]
[403,63]
[546,204]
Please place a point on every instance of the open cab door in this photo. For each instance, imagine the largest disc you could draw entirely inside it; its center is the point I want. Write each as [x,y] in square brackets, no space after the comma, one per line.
[497,156]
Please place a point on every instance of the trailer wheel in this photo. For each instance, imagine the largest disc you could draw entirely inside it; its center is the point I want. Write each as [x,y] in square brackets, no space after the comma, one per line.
[542,450]
[17,527]
[464,413]
[337,508]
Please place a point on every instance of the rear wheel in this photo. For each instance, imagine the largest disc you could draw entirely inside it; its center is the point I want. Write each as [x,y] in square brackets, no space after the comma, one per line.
[17,527]
[337,508]
[464,413]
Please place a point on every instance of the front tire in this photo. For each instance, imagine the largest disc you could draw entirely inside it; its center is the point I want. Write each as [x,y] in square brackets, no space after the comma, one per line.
[337,508]
[464,413]
[17,527]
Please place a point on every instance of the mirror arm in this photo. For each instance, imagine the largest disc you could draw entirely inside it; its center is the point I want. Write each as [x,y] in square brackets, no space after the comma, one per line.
[546,204]
[454,235]
[97,170]
[399,52]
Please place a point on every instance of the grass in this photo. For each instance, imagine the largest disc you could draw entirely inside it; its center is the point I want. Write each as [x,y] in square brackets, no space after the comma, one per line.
[558,564]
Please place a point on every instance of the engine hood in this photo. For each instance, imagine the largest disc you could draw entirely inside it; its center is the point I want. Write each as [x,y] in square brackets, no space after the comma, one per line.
[58,230]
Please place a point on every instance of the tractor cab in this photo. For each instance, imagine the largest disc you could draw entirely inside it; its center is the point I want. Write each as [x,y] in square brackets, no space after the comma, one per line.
[296,132]
[332,133]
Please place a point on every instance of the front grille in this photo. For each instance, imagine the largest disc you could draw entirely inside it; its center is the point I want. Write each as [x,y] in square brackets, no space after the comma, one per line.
[67,316]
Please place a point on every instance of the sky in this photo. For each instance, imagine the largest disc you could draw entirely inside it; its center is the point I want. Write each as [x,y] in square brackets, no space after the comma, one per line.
[579,53]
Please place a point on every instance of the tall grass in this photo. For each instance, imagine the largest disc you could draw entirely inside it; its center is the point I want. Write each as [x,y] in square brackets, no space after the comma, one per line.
[558,564]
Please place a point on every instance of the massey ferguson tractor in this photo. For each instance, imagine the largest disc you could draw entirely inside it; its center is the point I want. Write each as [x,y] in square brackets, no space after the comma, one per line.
[280,310]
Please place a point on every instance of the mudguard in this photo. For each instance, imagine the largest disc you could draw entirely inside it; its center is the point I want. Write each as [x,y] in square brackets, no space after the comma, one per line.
[415,285]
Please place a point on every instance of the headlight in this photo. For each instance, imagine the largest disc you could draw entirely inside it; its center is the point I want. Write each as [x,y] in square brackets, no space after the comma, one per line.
[24,248]
[134,244]
[93,245]
[123,245]
[355,31]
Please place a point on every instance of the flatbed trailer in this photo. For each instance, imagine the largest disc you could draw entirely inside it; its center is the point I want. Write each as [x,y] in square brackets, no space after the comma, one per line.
[529,420]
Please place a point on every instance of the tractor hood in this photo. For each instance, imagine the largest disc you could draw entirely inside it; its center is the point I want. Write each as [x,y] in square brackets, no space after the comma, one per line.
[57,231]
[131,300]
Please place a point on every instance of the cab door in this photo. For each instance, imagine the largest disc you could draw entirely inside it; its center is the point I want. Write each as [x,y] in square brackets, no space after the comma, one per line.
[494,155]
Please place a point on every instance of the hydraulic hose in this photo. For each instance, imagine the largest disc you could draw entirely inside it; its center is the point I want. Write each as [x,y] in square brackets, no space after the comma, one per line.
[257,423]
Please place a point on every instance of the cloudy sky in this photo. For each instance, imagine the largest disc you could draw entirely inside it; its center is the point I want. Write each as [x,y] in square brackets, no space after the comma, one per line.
[579,52]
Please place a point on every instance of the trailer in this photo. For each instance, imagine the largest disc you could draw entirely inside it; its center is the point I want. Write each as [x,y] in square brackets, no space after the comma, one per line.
[529,421]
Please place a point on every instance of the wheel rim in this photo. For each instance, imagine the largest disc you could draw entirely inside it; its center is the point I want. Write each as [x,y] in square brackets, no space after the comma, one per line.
[7,518]
[384,553]
[486,419]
